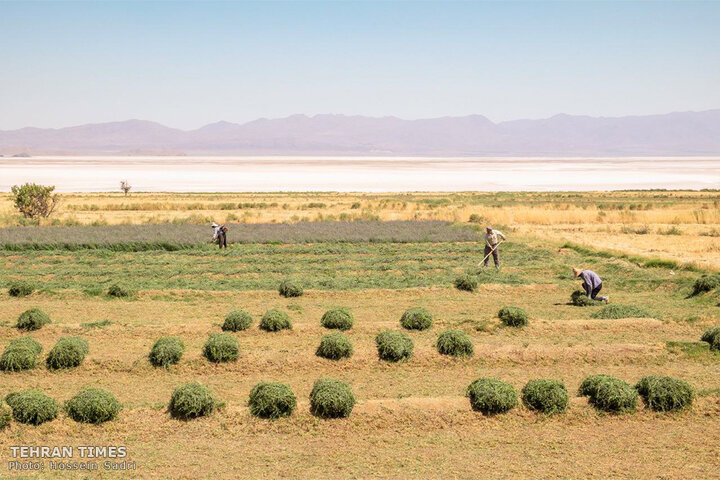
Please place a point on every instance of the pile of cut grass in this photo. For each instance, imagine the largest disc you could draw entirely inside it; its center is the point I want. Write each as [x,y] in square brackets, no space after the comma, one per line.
[466,282]
[706,283]
[665,394]
[237,320]
[290,289]
[221,348]
[513,316]
[393,346]
[32,407]
[20,288]
[190,401]
[331,398]
[20,354]
[712,336]
[545,396]
[580,299]
[275,320]
[339,318]
[621,311]
[272,400]
[33,319]
[416,318]
[93,405]
[68,352]
[166,351]
[455,343]
[335,346]
[491,396]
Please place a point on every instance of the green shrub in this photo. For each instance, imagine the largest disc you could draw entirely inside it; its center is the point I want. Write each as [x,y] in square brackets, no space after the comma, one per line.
[120,291]
[289,289]
[393,346]
[93,405]
[545,395]
[166,351]
[621,311]
[466,283]
[706,283]
[68,352]
[275,320]
[416,318]
[588,387]
[272,400]
[615,395]
[664,394]
[19,358]
[335,346]
[5,415]
[27,341]
[21,288]
[454,343]
[580,299]
[221,347]
[237,320]
[491,396]
[191,400]
[340,318]
[33,319]
[712,336]
[513,316]
[331,399]
[32,407]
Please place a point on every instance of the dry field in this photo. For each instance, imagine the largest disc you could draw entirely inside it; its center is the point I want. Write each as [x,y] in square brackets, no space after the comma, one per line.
[412,419]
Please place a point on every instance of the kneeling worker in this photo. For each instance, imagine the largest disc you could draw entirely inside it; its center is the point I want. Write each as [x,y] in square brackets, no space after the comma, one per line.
[219,235]
[492,243]
[591,283]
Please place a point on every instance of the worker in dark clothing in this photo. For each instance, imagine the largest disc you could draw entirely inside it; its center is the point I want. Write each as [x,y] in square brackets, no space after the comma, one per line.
[591,283]
[219,235]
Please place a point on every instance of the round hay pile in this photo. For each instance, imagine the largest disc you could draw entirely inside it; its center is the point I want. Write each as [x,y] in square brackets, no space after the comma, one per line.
[27,341]
[118,290]
[166,351]
[588,387]
[68,352]
[665,394]
[545,395]
[621,311]
[340,318]
[393,346]
[221,347]
[712,336]
[5,415]
[513,316]
[580,299]
[93,405]
[466,283]
[416,318]
[331,399]
[491,396]
[706,283]
[335,346]
[275,320]
[15,359]
[32,319]
[454,343]
[237,320]
[290,289]
[272,400]
[191,400]
[615,396]
[21,288]
[32,407]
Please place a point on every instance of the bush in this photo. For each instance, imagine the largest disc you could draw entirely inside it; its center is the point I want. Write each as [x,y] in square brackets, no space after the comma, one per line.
[712,336]
[93,405]
[545,396]
[33,319]
[275,320]
[221,347]
[466,282]
[166,351]
[614,395]
[621,311]
[513,316]
[454,343]
[5,415]
[19,358]
[120,291]
[32,407]
[588,387]
[580,299]
[28,342]
[340,318]
[416,318]
[331,399]
[706,283]
[289,289]
[491,396]
[237,320]
[68,352]
[21,288]
[272,400]
[335,346]
[191,400]
[393,346]
[664,394]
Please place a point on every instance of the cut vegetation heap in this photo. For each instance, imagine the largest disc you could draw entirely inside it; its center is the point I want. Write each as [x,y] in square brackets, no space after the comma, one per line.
[339,318]
[491,396]
[20,288]
[221,347]
[191,400]
[664,394]
[166,351]
[290,289]
[275,320]
[331,399]
[416,318]
[32,407]
[271,400]
[33,319]
[68,352]
[545,396]
[513,316]
[93,405]
[335,346]
[455,343]
[466,282]
[237,320]
[393,346]
[614,312]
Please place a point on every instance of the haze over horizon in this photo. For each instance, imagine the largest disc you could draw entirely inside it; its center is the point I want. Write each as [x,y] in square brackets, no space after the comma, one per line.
[190,64]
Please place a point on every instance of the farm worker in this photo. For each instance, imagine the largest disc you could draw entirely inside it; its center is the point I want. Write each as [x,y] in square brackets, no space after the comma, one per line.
[591,283]
[492,243]
[219,235]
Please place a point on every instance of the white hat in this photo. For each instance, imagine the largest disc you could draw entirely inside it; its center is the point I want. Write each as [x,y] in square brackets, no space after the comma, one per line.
[213,225]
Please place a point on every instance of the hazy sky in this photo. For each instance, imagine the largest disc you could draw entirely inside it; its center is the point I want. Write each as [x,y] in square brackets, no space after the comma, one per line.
[188,64]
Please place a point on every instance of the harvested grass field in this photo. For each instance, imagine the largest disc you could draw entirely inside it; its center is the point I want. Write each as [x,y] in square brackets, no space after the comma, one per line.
[411,419]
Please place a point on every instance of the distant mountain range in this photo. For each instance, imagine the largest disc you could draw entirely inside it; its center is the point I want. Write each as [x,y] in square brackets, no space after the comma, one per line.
[682,133]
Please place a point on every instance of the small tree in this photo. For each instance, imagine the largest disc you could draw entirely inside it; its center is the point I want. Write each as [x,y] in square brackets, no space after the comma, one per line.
[125,186]
[35,201]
